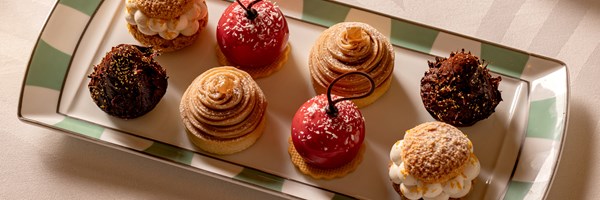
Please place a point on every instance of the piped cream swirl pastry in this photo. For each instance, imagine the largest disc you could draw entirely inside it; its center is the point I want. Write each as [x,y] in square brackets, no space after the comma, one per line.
[223,110]
[166,24]
[434,161]
[352,46]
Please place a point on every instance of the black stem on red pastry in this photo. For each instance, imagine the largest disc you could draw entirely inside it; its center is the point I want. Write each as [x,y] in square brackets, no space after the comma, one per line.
[251,13]
[331,109]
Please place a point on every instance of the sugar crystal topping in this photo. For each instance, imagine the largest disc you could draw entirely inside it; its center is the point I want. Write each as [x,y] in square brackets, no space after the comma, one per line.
[259,31]
[349,120]
[434,151]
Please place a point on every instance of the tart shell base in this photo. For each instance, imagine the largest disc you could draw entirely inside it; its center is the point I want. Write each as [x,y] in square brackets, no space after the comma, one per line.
[362,102]
[230,146]
[319,173]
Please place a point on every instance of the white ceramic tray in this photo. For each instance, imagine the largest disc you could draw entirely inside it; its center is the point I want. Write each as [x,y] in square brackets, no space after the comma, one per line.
[518,146]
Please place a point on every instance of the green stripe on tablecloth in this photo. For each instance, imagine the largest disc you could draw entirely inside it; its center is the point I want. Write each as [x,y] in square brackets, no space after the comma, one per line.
[169,152]
[85,6]
[412,36]
[543,119]
[517,190]
[502,60]
[261,179]
[80,127]
[48,67]
[323,12]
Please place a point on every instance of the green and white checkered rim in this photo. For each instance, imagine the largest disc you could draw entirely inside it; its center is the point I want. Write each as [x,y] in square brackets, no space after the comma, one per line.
[531,178]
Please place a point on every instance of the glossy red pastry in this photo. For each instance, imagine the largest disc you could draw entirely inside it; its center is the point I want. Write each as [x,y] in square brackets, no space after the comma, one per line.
[252,33]
[328,130]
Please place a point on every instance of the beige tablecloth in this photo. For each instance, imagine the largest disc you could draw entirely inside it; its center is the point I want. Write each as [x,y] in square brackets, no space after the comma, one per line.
[38,163]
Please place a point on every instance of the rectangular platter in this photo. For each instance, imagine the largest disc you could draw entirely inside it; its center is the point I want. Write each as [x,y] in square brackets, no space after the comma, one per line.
[519,145]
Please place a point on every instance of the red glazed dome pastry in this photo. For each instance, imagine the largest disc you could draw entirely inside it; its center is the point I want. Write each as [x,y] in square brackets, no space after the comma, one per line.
[166,25]
[128,83]
[223,110]
[327,135]
[459,90]
[348,47]
[253,36]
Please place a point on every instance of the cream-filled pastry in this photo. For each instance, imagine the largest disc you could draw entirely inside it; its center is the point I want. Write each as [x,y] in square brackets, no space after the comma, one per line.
[435,160]
[166,25]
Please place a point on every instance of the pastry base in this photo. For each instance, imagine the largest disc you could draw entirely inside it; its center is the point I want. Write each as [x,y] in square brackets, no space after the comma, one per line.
[257,72]
[363,102]
[230,146]
[319,173]
[163,45]
[397,189]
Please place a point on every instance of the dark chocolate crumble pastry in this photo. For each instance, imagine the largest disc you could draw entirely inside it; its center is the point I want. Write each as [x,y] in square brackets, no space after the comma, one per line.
[459,90]
[128,83]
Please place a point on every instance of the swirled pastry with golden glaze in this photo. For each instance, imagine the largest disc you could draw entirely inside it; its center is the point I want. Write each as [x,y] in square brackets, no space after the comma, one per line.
[223,110]
[352,46]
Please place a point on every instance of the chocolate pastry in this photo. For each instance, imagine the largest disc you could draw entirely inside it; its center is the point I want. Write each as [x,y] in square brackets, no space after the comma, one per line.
[459,90]
[128,82]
